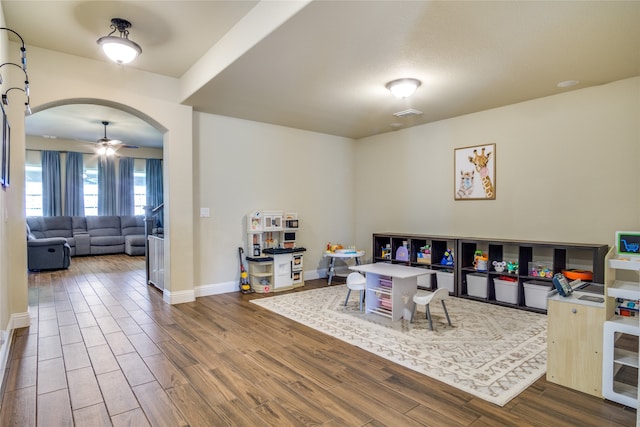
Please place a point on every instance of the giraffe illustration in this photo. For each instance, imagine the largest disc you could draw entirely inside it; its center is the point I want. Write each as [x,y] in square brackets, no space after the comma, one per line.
[481,161]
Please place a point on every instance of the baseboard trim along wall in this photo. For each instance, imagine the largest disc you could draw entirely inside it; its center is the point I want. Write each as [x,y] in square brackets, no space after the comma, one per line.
[234,286]
[178,297]
[17,320]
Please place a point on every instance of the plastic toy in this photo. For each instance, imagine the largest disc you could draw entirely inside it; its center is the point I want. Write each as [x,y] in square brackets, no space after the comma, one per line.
[447,258]
[512,267]
[499,266]
[480,261]
[245,285]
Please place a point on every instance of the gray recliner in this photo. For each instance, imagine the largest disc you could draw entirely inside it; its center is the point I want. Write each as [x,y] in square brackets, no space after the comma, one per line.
[50,253]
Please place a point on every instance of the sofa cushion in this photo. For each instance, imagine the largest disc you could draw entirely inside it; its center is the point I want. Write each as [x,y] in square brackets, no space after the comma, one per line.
[105,250]
[132,225]
[103,226]
[78,224]
[50,226]
[134,245]
[107,240]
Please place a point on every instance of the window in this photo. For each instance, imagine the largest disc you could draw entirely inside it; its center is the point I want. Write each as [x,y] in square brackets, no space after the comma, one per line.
[139,191]
[33,189]
[90,191]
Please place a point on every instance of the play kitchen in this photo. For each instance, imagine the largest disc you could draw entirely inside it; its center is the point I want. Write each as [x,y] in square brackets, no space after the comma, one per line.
[276,262]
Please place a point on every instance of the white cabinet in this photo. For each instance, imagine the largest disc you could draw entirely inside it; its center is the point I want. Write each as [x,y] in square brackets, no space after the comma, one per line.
[156,261]
[620,335]
[574,343]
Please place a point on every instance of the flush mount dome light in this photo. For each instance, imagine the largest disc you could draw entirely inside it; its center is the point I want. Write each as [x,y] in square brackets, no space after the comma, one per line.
[567,83]
[119,48]
[403,88]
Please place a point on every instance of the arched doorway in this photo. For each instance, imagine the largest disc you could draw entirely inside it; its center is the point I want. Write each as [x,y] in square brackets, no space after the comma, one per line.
[79,125]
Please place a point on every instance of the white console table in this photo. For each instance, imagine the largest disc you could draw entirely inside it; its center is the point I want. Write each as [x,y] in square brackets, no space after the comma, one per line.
[395,301]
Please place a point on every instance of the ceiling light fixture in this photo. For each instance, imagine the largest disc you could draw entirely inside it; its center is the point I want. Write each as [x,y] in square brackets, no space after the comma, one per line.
[106,150]
[106,144]
[119,48]
[568,83]
[403,88]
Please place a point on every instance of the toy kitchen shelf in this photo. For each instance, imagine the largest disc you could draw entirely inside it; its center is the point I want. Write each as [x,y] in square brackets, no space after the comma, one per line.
[275,262]
[620,336]
[556,256]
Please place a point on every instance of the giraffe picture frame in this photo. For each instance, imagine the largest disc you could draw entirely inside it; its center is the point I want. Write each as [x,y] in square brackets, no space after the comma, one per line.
[474,172]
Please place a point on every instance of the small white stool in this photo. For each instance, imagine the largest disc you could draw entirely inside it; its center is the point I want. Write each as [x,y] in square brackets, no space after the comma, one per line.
[356,282]
[426,299]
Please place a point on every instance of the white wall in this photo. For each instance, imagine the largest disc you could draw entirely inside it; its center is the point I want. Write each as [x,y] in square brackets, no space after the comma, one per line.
[567,171]
[241,166]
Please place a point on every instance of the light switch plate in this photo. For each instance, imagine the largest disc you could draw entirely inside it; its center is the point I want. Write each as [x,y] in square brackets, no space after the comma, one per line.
[204,213]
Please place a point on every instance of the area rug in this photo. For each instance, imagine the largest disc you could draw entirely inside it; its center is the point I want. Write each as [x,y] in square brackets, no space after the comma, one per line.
[491,352]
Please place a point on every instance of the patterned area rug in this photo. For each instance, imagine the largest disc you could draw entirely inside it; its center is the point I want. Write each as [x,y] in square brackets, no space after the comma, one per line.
[491,352]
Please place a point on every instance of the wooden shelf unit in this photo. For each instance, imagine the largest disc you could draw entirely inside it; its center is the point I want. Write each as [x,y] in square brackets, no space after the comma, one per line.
[620,375]
[559,256]
[439,244]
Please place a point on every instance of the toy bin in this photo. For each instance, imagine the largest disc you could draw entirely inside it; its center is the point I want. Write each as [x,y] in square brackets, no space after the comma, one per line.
[477,285]
[445,280]
[506,290]
[540,269]
[535,294]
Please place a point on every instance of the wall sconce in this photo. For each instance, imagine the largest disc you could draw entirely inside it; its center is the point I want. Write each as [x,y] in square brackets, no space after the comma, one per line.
[23,50]
[119,48]
[23,58]
[5,99]
[403,88]
[26,77]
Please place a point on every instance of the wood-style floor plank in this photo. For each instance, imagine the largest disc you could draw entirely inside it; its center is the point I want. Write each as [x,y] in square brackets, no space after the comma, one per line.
[103,348]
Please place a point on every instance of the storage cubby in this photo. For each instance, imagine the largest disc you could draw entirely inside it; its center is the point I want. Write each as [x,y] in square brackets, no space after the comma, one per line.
[550,258]
[261,275]
[388,243]
[620,336]
[557,256]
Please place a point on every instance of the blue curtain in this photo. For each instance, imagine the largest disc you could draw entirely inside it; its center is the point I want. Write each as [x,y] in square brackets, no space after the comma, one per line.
[74,185]
[51,184]
[106,186]
[154,185]
[126,203]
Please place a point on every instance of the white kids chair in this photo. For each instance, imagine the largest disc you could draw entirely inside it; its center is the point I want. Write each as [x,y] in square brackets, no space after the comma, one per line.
[356,282]
[426,299]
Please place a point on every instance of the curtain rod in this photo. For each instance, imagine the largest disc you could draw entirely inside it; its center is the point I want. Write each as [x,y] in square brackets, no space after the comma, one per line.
[82,152]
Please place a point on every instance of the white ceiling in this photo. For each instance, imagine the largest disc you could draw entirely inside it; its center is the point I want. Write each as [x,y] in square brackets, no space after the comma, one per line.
[325,68]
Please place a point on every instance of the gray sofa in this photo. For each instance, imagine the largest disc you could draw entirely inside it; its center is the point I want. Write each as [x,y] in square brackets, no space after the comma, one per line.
[92,235]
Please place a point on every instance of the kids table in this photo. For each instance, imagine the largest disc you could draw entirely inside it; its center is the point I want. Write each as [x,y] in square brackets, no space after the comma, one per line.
[344,255]
[390,288]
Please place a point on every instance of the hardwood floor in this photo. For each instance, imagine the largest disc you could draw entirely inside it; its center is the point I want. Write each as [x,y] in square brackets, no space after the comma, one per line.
[104,349]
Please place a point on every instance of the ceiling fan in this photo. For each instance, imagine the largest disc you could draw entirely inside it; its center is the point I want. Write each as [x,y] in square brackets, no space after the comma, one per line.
[107,144]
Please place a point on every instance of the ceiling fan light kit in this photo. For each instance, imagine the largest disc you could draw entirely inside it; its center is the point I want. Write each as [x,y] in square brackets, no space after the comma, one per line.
[106,144]
[119,48]
[23,68]
[403,88]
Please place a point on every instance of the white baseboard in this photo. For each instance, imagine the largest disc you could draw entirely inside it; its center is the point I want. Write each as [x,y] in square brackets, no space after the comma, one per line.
[17,320]
[216,289]
[228,287]
[178,297]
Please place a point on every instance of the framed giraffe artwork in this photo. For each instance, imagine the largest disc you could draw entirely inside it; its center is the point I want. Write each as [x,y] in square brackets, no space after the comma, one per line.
[475,172]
